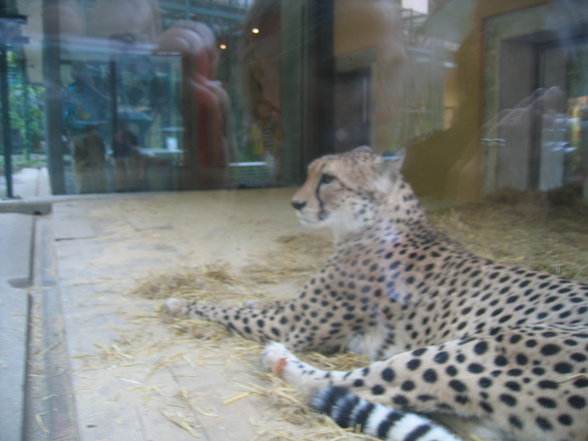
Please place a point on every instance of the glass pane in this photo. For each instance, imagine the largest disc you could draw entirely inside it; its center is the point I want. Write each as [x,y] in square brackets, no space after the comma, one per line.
[203,100]
[574,133]
[141,95]
[144,96]
[534,98]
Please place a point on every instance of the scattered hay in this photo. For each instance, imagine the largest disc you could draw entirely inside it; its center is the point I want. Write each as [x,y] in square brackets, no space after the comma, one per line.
[515,227]
[201,330]
[41,424]
[295,259]
[182,419]
[290,403]
[214,280]
[524,228]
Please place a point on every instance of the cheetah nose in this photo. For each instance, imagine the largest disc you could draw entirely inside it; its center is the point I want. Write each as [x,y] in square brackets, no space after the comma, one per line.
[298,205]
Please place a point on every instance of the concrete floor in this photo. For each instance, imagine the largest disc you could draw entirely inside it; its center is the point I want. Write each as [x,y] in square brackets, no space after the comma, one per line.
[16,277]
[102,364]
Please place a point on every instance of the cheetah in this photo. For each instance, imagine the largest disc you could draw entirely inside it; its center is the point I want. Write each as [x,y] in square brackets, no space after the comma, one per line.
[450,333]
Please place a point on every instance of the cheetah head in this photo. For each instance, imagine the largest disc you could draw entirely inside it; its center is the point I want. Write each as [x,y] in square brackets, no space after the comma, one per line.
[345,191]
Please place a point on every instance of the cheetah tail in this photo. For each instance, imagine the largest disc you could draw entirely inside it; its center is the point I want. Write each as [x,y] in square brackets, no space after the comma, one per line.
[387,423]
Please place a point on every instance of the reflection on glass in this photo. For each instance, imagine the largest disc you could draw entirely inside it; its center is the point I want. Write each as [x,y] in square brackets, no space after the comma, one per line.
[144,95]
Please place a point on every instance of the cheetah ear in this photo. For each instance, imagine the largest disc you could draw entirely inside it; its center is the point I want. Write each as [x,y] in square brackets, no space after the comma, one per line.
[363,149]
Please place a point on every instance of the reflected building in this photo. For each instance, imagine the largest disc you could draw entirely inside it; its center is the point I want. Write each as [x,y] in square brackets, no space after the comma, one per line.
[483,95]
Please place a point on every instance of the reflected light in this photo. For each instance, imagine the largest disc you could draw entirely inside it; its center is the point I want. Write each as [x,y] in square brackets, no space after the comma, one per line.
[255,30]
[421,6]
[223,47]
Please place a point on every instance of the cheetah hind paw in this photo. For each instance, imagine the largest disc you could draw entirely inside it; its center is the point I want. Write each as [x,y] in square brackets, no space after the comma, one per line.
[279,360]
[176,307]
[276,357]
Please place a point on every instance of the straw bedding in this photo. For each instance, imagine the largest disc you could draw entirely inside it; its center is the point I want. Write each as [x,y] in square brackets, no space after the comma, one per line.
[545,231]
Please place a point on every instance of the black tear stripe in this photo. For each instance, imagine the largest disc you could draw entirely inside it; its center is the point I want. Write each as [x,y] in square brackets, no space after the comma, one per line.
[370,195]
[320,201]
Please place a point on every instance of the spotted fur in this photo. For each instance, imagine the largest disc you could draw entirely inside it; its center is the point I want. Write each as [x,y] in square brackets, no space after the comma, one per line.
[455,333]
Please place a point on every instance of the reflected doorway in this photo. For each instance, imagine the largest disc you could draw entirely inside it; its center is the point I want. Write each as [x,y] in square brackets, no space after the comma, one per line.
[352,109]
[536,101]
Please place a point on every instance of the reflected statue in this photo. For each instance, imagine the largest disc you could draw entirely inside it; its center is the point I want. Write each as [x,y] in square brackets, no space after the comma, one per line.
[205,106]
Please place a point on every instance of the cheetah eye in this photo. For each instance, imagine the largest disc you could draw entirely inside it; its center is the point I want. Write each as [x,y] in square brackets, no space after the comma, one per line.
[326,178]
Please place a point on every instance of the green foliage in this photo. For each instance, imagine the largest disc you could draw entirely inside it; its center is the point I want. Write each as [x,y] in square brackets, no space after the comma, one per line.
[26,107]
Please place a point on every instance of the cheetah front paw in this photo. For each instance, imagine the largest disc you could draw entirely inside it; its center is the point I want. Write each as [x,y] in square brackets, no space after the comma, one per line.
[260,304]
[176,307]
[251,304]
